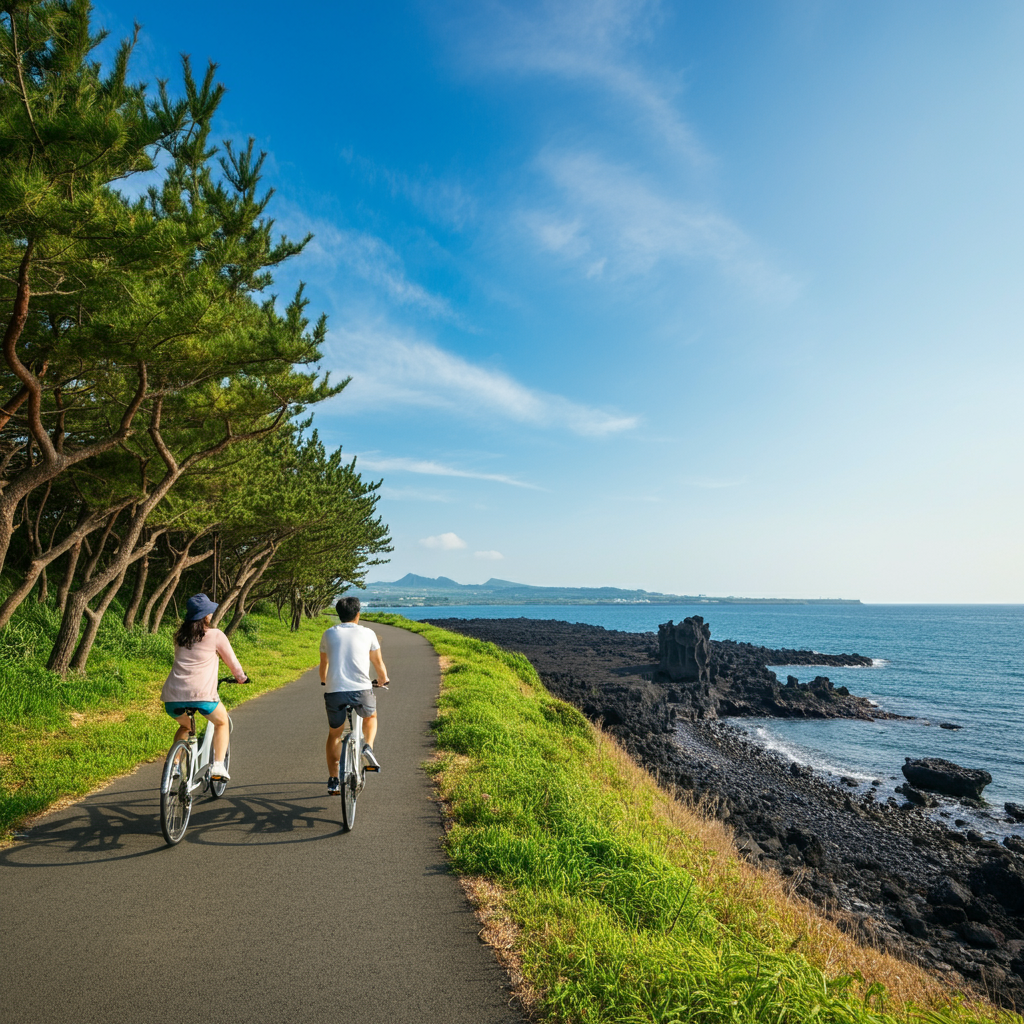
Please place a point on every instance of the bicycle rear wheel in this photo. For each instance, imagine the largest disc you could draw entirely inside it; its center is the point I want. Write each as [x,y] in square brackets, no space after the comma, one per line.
[175,799]
[217,786]
[349,781]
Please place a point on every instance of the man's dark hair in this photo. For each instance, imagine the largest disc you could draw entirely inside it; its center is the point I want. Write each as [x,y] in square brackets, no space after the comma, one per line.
[347,608]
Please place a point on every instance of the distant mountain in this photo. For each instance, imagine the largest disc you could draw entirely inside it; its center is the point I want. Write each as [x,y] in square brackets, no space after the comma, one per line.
[413,590]
[411,580]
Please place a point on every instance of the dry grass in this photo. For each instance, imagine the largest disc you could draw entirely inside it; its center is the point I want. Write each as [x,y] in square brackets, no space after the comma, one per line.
[78,719]
[817,937]
[499,932]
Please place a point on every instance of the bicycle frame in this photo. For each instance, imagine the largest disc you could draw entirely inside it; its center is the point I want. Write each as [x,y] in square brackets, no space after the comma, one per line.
[179,782]
[354,729]
[351,780]
[201,757]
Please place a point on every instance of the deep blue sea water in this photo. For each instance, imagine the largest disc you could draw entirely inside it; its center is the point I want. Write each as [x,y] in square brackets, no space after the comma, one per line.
[940,663]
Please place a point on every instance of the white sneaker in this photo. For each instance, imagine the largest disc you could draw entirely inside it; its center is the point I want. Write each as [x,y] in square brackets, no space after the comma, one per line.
[219,771]
[372,764]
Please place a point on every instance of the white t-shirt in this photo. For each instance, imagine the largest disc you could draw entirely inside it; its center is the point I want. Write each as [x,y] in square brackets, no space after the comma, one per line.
[348,647]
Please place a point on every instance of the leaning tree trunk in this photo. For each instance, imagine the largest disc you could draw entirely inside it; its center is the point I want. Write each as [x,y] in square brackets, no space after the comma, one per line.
[138,592]
[69,577]
[168,582]
[247,568]
[170,585]
[239,612]
[94,616]
[66,645]
[72,543]
[298,608]
[158,616]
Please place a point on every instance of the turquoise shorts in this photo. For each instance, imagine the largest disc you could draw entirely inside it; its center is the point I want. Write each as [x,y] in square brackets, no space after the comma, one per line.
[177,708]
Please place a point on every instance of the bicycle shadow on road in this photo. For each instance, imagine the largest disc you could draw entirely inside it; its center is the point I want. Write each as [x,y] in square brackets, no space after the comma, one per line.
[128,826]
[263,817]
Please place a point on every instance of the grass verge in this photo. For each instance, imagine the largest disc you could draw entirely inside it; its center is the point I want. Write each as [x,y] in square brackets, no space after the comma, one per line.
[62,738]
[614,902]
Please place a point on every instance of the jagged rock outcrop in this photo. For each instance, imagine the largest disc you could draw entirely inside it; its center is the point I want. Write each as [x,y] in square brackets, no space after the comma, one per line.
[684,668]
[941,776]
[684,650]
[743,685]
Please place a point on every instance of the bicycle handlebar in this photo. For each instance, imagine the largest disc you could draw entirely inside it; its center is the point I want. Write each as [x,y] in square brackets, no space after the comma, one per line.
[375,684]
[381,686]
[231,679]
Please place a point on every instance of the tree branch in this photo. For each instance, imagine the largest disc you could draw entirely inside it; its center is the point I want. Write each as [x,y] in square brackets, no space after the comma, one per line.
[15,326]
[21,82]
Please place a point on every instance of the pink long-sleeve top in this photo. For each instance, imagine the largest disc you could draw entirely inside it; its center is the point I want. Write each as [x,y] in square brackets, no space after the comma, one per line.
[194,674]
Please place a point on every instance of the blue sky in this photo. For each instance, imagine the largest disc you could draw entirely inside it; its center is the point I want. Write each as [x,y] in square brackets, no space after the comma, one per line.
[718,298]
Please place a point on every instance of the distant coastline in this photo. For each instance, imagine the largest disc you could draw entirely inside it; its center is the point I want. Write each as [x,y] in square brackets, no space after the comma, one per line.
[414,591]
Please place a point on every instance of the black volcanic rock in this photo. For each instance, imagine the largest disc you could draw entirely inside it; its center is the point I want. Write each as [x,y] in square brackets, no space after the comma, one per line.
[979,935]
[915,796]
[599,669]
[908,883]
[684,650]
[941,776]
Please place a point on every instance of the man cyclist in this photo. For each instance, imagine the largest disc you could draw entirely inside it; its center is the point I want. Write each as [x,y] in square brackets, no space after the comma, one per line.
[346,653]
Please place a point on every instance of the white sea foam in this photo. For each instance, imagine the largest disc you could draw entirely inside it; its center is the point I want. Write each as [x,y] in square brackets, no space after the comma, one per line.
[801,755]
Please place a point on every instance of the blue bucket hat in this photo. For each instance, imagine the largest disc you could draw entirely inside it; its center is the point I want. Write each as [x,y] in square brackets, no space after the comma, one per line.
[198,607]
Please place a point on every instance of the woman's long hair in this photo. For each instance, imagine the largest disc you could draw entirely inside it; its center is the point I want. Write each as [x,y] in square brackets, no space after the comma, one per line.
[190,633]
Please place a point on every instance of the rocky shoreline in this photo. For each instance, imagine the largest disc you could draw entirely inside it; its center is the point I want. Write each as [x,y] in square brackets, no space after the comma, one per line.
[949,900]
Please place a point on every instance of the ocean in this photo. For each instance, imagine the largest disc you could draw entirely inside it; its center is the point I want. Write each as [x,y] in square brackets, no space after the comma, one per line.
[960,664]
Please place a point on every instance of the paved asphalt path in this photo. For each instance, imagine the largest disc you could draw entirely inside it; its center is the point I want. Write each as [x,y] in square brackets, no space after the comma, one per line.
[267,910]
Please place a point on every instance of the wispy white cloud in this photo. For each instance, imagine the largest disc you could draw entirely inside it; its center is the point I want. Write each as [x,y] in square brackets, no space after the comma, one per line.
[428,467]
[444,200]
[614,217]
[368,257]
[444,542]
[609,219]
[414,494]
[583,41]
[489,556]
[388,368]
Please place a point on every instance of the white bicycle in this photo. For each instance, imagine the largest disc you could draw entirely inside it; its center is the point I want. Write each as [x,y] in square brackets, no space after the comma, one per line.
[353,766]
[186,770]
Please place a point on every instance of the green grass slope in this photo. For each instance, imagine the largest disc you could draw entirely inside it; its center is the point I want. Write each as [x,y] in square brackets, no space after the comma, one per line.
[616,902]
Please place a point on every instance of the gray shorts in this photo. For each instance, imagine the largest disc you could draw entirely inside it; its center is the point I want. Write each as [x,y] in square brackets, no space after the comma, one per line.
[364,701]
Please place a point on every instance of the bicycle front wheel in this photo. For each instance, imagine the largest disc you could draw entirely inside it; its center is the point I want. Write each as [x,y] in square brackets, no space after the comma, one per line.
[175,798]
[349,782]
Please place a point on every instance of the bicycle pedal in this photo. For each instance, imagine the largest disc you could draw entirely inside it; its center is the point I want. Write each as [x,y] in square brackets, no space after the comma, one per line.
[372,768]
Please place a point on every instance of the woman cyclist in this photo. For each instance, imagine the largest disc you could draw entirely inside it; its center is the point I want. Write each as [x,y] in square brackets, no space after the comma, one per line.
[193,679]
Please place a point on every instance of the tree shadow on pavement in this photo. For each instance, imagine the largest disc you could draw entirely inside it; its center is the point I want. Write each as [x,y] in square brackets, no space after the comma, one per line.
[128,826]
